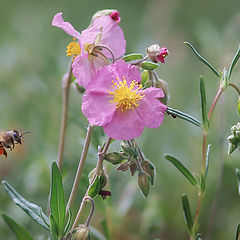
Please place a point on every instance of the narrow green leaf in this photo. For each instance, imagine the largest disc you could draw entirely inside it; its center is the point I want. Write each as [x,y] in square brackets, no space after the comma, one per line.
[20,232]
[132,57]
[54,228]
[187,212]
[181,168]
[176,113]
[57,203]
[207,159]
[238,232]
[203,102]
[238,179]
[149,65]
[68,225]
[202,59]
[94,189]
[31,209]
[145,77]
[234,61]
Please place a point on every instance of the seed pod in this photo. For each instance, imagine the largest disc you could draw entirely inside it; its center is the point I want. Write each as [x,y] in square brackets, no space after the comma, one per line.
[144,182]
[81,233]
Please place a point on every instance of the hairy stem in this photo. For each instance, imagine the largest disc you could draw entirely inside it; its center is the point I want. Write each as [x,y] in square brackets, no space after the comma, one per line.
[101,155]
[66,81]
[80,167]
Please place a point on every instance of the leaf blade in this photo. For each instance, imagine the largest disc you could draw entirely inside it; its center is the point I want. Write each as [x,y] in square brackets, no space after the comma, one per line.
[20,232]
[29,208]
[238,179]
[181,168]
[150,66]
[203,103]
[234,61]
[187,212]
[132,57]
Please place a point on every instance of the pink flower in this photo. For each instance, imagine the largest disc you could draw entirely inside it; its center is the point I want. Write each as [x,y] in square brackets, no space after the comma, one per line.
[117,102]
[102,40]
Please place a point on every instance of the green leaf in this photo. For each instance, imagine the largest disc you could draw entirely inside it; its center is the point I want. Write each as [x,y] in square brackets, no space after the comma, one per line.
[145,77]
[20,232]
[203,101]
[149,65]
[234,61]
[187,212]
[207,159]
[54,228]
[203,59]
[114,158]
[176,113]
[238,232]
[132,57]
[238,179]
[68,225]
[57,203]
[181,168]
[94,188]
[31,209]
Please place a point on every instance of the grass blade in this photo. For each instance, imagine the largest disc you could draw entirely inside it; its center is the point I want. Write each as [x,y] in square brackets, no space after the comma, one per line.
[234,61]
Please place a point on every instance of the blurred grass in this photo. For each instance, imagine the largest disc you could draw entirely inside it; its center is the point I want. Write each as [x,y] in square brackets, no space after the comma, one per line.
[32,62]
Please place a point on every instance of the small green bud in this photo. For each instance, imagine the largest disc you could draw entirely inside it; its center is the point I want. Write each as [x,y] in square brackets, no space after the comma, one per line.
[94,188]
[145,77]
[114,158]
[144,182]
[81,233]
[164,86]
[149,168]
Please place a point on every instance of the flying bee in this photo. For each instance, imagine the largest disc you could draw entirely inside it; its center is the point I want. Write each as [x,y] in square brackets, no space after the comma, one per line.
[8,139]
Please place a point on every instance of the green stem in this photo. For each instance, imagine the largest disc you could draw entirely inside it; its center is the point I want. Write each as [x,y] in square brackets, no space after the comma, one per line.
[203,167]
[99,165]
[66,81]
[80,167]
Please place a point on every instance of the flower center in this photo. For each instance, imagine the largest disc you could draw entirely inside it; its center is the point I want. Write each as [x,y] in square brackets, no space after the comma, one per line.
[73,48]
[126,97]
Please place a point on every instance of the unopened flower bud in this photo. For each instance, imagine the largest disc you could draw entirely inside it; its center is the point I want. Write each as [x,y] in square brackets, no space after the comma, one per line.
[149,168]
[114,14]
[144,182]
[234,139]
[164,86]
[82,233]
[114,158]
[123,167]
[157,54]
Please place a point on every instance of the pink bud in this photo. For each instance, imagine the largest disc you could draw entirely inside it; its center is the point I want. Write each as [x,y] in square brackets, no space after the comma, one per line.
[115,16]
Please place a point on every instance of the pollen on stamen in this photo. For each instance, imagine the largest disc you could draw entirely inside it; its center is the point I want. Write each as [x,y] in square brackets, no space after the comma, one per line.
[126,97]
[73,49]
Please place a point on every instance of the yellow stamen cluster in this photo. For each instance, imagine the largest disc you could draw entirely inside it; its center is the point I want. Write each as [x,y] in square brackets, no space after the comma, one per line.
[126,97]
[73,49]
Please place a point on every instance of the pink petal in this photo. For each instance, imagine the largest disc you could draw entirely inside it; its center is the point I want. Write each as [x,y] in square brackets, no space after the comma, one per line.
[97,108]
[85,69]
[65,26]
[89,35]
[109,74]
[150,109]
[124,125]
[112,36]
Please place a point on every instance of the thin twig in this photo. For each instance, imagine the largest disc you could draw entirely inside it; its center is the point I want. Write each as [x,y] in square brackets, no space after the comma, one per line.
[66,81]
[80,167]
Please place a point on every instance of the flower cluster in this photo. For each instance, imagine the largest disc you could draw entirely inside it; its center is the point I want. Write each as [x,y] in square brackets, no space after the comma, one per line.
[115,98]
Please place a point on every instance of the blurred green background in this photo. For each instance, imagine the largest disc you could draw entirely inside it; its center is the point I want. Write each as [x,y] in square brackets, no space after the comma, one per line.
[32,63]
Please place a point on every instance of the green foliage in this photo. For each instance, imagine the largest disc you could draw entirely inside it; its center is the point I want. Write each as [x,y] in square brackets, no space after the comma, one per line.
[150,66]
[94,188]
[187,213]
[114,158]
[57,203]
[132,57]
[203,103]
[20,232]
[181,168]
[31,209]
[234,61]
